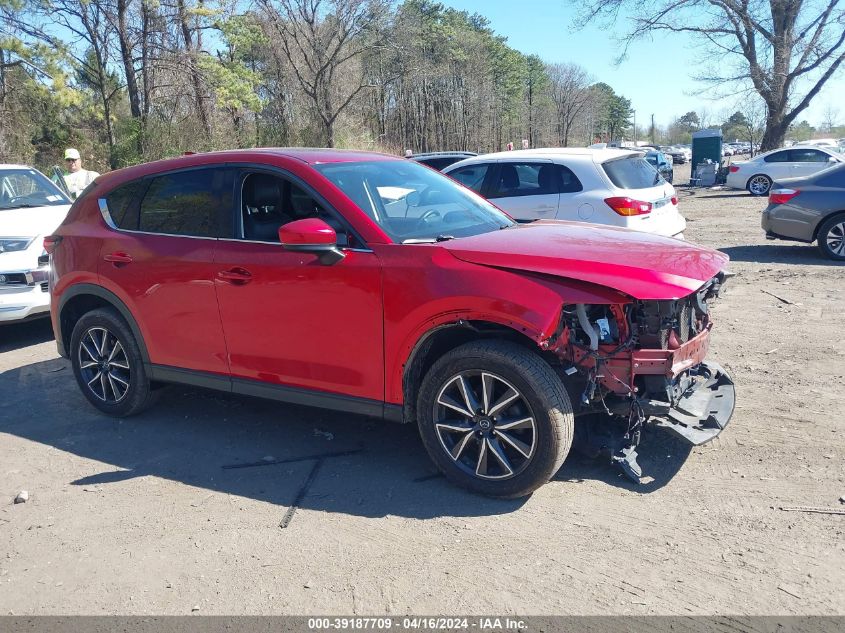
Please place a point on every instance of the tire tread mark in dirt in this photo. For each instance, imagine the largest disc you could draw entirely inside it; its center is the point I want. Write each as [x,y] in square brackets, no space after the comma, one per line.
[301,494]
[291,460]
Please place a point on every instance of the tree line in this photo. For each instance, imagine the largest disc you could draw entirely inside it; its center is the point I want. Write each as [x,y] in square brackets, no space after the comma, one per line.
[127,81]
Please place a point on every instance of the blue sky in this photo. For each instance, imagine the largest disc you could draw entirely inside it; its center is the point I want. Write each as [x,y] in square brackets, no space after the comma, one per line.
[656,75]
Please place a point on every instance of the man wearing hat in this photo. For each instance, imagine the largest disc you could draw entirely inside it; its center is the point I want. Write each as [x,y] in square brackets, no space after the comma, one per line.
[76,178]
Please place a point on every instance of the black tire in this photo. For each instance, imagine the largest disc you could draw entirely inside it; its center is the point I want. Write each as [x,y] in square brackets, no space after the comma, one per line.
[542,399]
[109,375]
[759,185]
[831,238]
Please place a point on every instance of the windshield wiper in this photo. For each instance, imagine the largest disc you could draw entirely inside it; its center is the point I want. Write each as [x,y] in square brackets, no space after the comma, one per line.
[428,240]
[21,206]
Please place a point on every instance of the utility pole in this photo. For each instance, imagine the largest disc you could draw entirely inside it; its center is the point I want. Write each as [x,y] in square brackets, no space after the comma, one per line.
[653,132]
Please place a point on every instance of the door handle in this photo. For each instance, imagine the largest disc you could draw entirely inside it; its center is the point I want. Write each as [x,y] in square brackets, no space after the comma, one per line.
[236,276]
[118,258]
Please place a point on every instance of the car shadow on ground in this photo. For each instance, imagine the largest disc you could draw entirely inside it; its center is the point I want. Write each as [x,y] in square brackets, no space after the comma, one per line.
[268,451]
[14,336]
[779,253]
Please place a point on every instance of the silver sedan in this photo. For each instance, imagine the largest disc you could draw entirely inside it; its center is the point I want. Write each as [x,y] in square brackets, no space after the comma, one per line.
[810,209]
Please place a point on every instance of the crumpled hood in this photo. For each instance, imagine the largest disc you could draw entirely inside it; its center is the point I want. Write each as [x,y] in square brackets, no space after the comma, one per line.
[31,222]
[641,265]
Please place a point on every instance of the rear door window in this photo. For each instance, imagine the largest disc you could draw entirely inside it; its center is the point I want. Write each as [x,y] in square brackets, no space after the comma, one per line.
[631,173]
[184,203]
[471,176]
[526,179]
[567,181]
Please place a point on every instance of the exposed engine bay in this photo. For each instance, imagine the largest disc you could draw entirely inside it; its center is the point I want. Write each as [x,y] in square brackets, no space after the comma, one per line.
[643,362]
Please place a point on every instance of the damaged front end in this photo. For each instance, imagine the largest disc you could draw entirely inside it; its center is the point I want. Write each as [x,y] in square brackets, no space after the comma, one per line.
[644,363]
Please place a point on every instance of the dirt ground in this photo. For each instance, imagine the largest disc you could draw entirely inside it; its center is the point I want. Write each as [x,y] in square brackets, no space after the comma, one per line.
[141,516]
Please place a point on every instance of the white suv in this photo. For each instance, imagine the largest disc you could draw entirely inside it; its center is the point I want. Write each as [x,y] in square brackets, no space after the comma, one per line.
[31,207]
[602,186]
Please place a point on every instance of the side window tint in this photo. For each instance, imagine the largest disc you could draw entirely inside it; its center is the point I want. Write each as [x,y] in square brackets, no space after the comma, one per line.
[569,182]
[808,156]
[526,179]
[269,202]
[777,157]
[183,203]
[123,205]
[471,176]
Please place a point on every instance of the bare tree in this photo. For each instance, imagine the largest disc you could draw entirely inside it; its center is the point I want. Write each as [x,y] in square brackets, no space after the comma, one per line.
[319,38]
[568,88]
[785,50]
[830,117]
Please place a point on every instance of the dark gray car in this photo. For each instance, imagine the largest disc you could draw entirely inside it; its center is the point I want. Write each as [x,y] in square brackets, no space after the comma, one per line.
[809,209]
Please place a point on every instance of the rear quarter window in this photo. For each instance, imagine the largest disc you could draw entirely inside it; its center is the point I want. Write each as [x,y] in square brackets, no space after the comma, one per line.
[122,204]
[631,173]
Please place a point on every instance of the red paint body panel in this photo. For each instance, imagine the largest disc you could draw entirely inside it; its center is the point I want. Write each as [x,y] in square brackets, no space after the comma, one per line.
[302,324]
[642,265]
[425,286]
[169,288]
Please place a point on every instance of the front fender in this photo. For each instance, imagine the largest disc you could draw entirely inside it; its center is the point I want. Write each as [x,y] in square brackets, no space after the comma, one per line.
[419,299]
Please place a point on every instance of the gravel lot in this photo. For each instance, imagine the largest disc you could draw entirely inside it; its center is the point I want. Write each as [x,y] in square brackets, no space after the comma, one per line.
[141,516]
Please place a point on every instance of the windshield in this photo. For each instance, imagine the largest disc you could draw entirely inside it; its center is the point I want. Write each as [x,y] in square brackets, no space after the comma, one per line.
[632,173]
[414,204]
[21,188]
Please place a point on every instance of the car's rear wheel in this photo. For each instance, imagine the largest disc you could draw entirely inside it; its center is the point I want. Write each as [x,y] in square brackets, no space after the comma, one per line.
[831,238]
[107,364]
[495,418]
[759,185]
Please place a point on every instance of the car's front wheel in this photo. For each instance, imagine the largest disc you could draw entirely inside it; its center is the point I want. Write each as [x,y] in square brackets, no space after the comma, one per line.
[831,238]
[107,364]
[495,418]
[759,185]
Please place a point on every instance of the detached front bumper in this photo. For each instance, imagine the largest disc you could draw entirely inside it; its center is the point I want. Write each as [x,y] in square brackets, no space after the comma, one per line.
[703,411]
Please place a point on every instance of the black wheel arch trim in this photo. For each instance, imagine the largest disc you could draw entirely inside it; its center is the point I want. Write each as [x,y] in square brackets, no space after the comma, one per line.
[109,297]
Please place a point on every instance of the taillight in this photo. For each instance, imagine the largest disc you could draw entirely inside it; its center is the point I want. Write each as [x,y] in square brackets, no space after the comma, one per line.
[51,242]
[626,206]
[782,196]
[733,169]
[675,200]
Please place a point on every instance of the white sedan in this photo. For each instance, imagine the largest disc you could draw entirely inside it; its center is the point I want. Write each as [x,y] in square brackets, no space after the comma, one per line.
[31,207]
[758,174]
[602,186]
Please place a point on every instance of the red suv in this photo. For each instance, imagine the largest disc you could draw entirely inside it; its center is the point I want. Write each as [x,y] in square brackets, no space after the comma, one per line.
[374,285]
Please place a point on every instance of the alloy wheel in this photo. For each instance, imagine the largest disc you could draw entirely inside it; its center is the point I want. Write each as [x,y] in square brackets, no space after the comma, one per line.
[835,239]
[759,185]
[485,425]
[104,365]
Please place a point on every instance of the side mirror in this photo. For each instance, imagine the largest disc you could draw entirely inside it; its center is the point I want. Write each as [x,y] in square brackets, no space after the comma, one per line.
[832,159]
[311,235]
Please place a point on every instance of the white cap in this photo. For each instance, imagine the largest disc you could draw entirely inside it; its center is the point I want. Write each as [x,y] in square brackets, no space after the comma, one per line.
[71,154]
